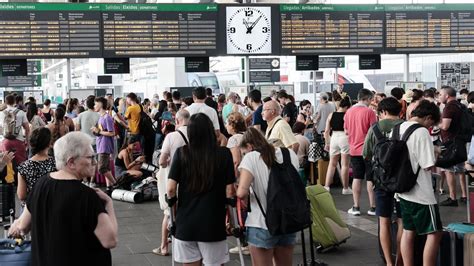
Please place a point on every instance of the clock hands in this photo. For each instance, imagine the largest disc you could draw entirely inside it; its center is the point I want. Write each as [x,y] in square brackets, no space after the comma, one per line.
[249,29]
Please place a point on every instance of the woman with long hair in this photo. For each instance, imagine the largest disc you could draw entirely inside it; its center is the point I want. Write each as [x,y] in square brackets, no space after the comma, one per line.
[265,249]
[33,118]
[71,108]
[126,163]
[205,174]
[58,127]
[68,121]
[337,143]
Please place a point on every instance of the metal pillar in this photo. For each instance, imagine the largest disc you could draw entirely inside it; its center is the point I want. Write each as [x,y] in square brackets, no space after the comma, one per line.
[69,77]
[406,72]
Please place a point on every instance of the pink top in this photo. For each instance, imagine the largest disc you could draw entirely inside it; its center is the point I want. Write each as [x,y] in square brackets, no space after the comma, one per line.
[357,122]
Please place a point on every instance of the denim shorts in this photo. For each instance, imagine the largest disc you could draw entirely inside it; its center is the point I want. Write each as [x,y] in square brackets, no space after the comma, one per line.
[262,238]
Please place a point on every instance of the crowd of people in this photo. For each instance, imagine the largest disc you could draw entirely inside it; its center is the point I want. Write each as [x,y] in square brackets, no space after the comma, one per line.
[215,148]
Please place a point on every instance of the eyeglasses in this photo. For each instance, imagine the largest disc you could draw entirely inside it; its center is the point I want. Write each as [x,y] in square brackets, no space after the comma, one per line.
[265,110]
[92,158]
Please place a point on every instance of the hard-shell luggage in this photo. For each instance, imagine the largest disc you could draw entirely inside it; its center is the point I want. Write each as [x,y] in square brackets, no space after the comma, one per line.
[451,249]
[322,170]
[468,249]
[328,229]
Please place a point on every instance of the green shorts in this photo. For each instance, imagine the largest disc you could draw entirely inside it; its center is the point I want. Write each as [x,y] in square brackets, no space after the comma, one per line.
[423,219]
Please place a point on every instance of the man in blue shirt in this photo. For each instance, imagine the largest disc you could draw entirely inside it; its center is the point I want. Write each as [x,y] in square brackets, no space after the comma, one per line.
[255,102]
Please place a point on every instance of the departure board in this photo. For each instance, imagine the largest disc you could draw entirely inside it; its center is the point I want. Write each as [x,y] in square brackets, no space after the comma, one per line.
[429,28]
[331,29]
[141,30]
[31,30]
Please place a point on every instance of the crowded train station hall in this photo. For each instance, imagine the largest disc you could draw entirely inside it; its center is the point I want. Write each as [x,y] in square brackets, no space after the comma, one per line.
[237,132]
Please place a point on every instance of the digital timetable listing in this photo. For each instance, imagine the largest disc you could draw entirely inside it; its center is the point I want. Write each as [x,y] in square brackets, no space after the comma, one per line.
[42,30]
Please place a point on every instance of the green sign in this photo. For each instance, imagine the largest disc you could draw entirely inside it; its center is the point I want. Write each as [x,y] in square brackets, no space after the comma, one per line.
[105,7]
[329,8]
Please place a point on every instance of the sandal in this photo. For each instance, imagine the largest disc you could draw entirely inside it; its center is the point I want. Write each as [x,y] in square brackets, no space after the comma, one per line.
[157,251]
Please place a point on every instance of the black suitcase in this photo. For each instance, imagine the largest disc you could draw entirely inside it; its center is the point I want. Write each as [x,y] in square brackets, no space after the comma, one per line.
[7,201]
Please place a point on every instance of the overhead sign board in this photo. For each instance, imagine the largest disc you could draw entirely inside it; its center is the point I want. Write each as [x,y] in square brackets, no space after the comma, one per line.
[264,63]
[264,76]
[307,62]
[196,64]
[332,62]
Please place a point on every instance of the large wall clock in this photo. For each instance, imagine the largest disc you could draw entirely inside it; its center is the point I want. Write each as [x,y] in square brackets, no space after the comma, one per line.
[249,30]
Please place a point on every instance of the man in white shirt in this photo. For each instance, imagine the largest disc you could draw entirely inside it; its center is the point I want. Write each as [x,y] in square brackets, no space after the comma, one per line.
[199,97]
[88,119]
[20,140]
[419,208]
[173,141]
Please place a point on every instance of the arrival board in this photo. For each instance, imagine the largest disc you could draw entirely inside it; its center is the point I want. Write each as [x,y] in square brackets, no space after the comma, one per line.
[142,30]
[331,29]
[31,30]
[429,28]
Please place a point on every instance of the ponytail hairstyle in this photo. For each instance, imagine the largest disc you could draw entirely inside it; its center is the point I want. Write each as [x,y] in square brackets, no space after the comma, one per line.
[254,138]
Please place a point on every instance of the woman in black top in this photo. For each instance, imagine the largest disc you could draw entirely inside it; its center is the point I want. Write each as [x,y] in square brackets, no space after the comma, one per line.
[71,224]
[205,174]
[337,143]
[30,171]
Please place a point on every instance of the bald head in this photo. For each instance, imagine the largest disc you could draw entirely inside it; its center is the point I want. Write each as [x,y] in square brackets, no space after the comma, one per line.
[271,109]
[182,117]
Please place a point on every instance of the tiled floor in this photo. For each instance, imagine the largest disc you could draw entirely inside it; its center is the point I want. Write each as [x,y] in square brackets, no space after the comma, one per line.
[139,229]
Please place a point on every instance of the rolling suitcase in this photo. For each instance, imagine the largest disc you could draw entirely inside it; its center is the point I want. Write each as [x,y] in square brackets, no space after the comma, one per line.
[328,229]
[322,170]
[451,249]
[468,249]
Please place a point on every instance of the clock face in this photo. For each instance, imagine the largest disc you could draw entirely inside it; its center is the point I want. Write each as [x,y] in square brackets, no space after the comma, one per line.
[249,30]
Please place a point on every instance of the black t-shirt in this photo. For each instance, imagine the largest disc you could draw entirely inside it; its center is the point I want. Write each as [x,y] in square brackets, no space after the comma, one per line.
[64,216]
[211,103]
[201,217]
[453,111]
[290,110]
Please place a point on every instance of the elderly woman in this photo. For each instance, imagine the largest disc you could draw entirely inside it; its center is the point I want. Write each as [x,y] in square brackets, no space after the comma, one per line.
[60,209]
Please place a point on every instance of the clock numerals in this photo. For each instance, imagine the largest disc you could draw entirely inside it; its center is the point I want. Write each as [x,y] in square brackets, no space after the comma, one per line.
[232,29]
[249,46]
[248,13]
[265,30]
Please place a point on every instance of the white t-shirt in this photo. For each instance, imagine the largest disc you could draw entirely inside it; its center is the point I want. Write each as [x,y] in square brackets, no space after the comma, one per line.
[173,141]
[20,119]
[421,151]
[253,163]
[234,141]
[203,108]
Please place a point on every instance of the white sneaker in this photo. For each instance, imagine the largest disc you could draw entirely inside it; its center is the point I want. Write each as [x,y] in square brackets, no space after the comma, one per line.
[371,211]
[354,211]
[235,250]
[327,188]
[347,191]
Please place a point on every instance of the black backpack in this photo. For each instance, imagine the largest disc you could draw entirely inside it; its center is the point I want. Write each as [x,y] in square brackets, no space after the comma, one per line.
[391,166]
[466,129]
[288,208]
[146,125]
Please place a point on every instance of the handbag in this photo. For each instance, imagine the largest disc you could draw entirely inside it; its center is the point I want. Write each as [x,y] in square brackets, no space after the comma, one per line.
[453,152]
[14,253]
